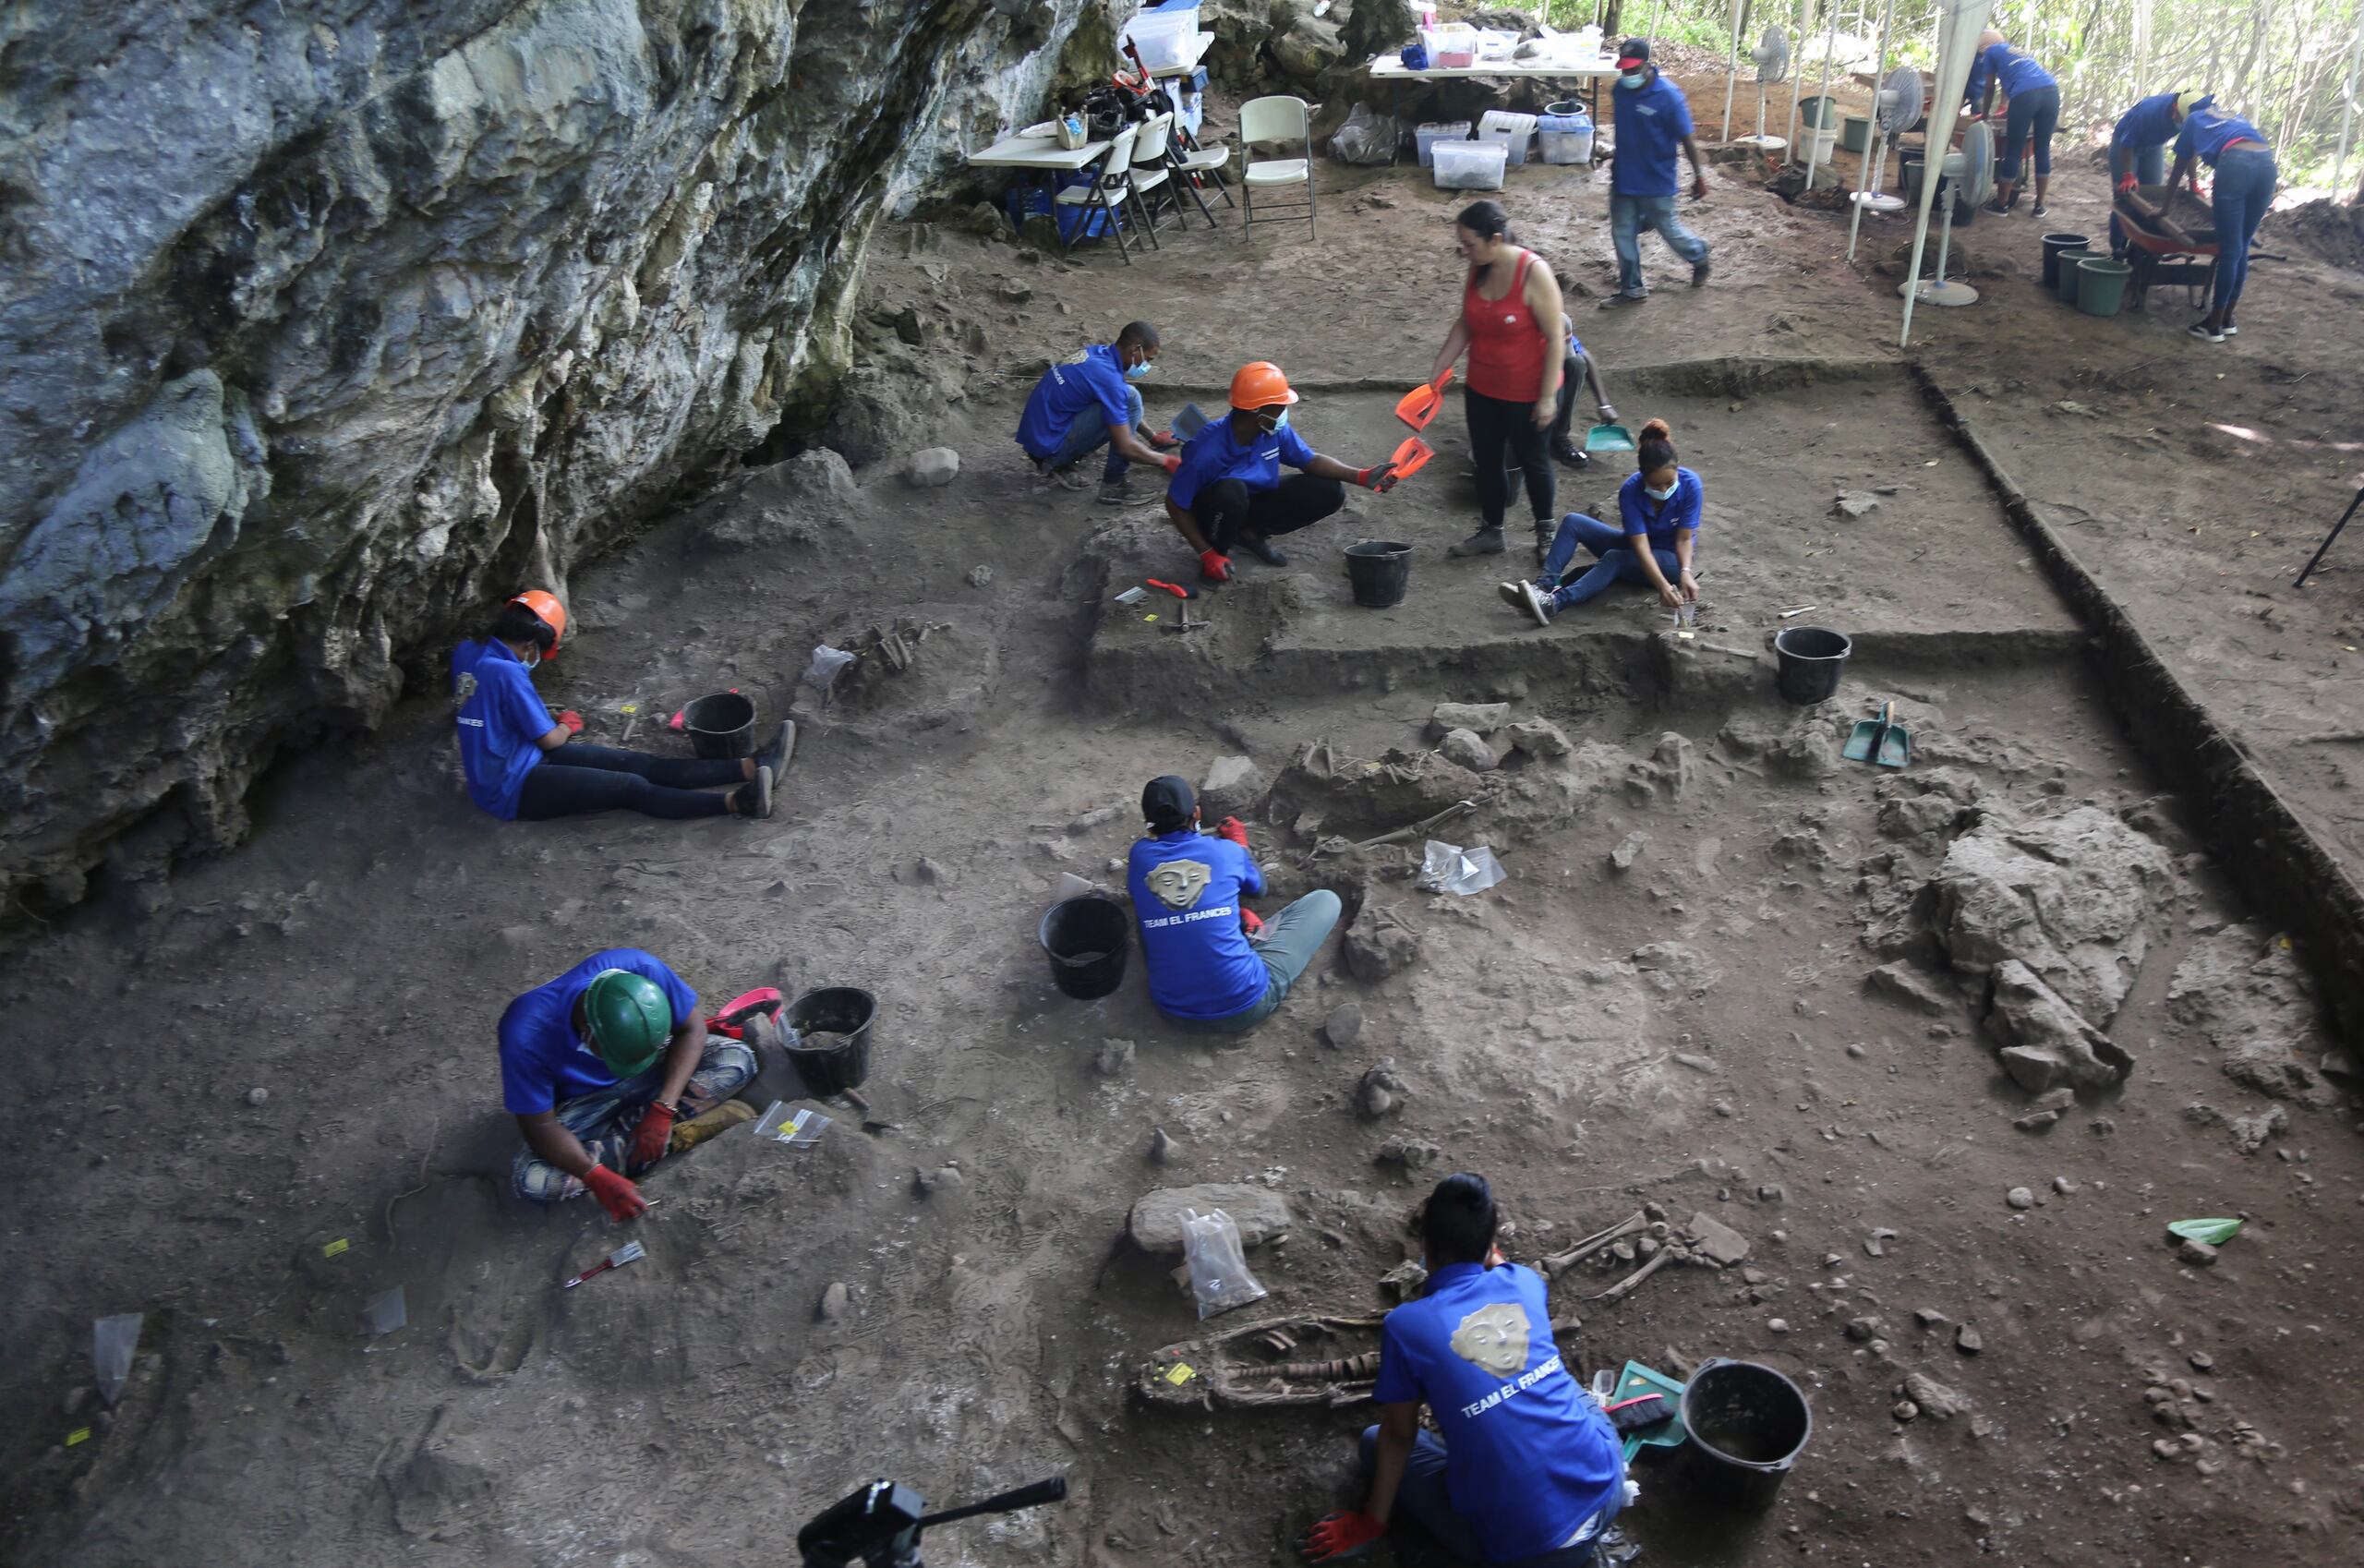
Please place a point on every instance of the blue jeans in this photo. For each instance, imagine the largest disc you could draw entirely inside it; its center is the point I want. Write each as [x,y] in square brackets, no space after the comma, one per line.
[2033,112]
[1291,938]
[1628,216]
[1618,562]
[2150,167]
[2244,190]
[1423,1495]
[1089,434]
[604,1119]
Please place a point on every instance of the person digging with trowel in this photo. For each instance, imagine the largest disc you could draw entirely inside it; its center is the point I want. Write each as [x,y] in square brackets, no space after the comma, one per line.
[1528,1470]
[524,768]
[1659,506]
[1089,401]
[1228,492]
[600,1067]
[1213,967]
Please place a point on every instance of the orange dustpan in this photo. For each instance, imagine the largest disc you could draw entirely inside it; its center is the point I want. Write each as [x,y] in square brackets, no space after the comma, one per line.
[1411,457]
[1420,405]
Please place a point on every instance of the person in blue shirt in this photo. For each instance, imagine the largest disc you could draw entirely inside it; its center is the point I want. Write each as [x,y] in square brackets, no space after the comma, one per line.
[2237,197]
[1205,973]
[1228,492]
[598,1064]
[2032,111]
[1653,118]
[1526,1467]
[524,766]
[2137,148]
[1658,505]
[1578,364]
[1089,401]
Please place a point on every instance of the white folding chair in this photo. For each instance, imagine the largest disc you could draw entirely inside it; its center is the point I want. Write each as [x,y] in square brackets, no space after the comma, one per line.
[1153,173]
[1110,186]
[1267,121]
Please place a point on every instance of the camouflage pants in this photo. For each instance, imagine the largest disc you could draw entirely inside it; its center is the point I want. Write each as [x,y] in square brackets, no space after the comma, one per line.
[604,1119]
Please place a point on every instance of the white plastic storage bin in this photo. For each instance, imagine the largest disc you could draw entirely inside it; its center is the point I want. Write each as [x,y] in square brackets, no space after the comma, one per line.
[1513,131]
[1496,48]
[1451,46]
[1566,139]
[1426,136]
[1165,37]
[1470,166]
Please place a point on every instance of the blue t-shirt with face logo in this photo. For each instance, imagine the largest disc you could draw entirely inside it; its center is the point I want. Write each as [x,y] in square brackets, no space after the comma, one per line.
[502,721]
[545,1060]
[1185,888]
[1529,1458]
[1214,454]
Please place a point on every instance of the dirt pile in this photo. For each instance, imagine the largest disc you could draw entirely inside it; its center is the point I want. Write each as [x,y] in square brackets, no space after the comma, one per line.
[2332,231]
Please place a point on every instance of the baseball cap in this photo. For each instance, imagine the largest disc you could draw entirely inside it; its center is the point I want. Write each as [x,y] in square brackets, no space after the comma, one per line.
[1166,803]
[1633,52]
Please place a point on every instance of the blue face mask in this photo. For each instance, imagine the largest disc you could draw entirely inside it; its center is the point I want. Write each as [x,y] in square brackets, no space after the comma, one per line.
[1633,79]
[1136,372]
[1279,424]
[1658,495]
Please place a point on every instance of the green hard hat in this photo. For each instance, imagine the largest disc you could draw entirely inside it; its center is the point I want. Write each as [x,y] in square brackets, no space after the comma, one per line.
[629,1018]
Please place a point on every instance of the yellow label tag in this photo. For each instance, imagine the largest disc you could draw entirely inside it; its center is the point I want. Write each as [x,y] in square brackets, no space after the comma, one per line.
[629,707]
[79,1434]
[336,1248]
[1180,1373]
[1149,617]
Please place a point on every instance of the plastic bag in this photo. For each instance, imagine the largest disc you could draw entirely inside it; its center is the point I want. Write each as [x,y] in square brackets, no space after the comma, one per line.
[828,664]
[1448,868]
[112,1342]
[1219,1275]
[1366,137]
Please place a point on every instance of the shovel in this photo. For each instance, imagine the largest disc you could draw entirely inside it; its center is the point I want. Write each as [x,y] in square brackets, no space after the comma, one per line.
[1420,405]
[1880,739]
[1608,438]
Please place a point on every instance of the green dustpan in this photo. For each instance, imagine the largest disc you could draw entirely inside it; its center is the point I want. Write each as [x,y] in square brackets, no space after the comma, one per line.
[1632,1383]
[1608,438]
[1880,739]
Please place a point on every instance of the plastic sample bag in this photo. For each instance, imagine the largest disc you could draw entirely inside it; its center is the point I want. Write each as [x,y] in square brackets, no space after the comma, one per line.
[1366,137]
[1448,868]
[1219,1276]
[828,664]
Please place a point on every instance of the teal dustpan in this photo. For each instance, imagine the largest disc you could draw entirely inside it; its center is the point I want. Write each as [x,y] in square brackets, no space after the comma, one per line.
[1608,438]
[1632,1383]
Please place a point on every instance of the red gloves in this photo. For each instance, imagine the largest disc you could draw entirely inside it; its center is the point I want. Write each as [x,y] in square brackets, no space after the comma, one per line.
[619,1198]
[1214,566]
[573,720]
[1230,827]
[1170,463]
[649,1139]
[1337,1537]
[1379,476]
[1251,924]
[2126,182]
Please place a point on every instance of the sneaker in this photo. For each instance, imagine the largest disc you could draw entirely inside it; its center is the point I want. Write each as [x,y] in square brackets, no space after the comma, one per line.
[1262,548]
[1998,206]
[1700,271]
[2229,330]
[1531,601]
[1072,478]
[1570,453]
[775,757]
[752,799]
[1513,594]
[2202,331]
[1115,492]
[1614,300]
[2039,211]
[1545,532]
[1485,542]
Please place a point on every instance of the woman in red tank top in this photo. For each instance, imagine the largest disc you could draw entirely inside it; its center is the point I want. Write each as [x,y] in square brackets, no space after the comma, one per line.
[1509,323]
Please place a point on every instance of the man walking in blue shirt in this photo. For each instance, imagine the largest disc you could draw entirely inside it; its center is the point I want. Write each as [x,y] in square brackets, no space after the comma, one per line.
[1653,119]
[1529,1471]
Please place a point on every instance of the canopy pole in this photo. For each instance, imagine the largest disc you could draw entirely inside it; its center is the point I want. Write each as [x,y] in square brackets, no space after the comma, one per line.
[1797,73]
[1957,46]
[1732,71]
[2348,111]
[1874,151]
[1814,133]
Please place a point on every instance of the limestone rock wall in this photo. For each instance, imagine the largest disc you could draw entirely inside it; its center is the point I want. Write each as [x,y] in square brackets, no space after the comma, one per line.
[324,323]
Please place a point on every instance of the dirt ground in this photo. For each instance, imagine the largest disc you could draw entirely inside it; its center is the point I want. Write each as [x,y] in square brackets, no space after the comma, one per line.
[293,1048]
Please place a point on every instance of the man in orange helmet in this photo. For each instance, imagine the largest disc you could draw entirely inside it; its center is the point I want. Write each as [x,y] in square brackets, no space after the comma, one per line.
[1228,491]
[521,768]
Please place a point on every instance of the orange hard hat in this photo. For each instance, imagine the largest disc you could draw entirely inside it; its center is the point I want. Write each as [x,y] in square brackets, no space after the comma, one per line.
[545,605]
[1260,385]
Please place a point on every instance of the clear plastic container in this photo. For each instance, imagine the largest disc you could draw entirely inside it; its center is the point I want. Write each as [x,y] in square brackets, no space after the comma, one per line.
[1426,136]
[1452,46]
[1496,48]
[1470,166]
[1514,131]
[1163,37]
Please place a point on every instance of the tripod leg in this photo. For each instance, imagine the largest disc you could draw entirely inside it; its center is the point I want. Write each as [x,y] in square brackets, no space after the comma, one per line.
[2325,548]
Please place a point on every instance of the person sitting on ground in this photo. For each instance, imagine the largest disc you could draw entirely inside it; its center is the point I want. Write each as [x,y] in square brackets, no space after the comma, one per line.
[1088,401]
[1228,492]
[524,768]
[1660,505]
[1205,975]
[2031,111]
[1653,118]
[1526,1467]
[1578,364]
[599,1065]
[2238,198]
[2137,150]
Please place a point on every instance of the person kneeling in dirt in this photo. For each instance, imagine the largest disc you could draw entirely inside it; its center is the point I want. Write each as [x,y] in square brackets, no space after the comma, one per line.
[1228,492]
[599,1065]
[1659,504]
[1087,402]
[1529,1470]
[521,767]
[1205,975]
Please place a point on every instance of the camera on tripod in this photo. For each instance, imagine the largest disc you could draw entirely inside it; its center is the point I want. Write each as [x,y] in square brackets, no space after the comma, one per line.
[879,1526]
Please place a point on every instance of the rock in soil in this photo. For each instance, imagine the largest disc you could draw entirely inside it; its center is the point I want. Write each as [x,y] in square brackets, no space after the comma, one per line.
[1234,787]
[2198,1254]
[1463,747]
[1541,739]
[2047,1043]
[835,1302]
[2019,1198]
[1907,987]
[1937,1402]
[1163,1149]
[1379,944]
[931,467]
[1967,1341]
[1115,1056]
[1482,717]
[1408,1153]
[1156,1223]
[1711,1238]
[1629,850]
[1379,1092]
[1344,1027]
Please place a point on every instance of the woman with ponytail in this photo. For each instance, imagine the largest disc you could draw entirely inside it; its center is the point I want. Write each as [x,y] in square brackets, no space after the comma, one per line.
[1659,506]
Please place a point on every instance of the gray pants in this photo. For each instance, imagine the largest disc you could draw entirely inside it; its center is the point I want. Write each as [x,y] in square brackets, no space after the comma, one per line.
[1291,938]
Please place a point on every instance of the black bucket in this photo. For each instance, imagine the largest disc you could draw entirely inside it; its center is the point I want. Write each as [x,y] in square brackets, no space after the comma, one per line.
[2053,245]
[1812,661]
[1747,1426]
[1380,571]
[721,727]
[1085,939]
[834,1054]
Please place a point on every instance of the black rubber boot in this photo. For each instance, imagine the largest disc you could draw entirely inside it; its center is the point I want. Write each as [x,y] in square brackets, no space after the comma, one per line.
[1485,542]
[1262,548]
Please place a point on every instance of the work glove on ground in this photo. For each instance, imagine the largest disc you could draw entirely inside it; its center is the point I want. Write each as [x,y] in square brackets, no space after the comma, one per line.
[1337,1537]
[1214,566]
[619,1198]
[649,1139]
[1230,827]
[573,720]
